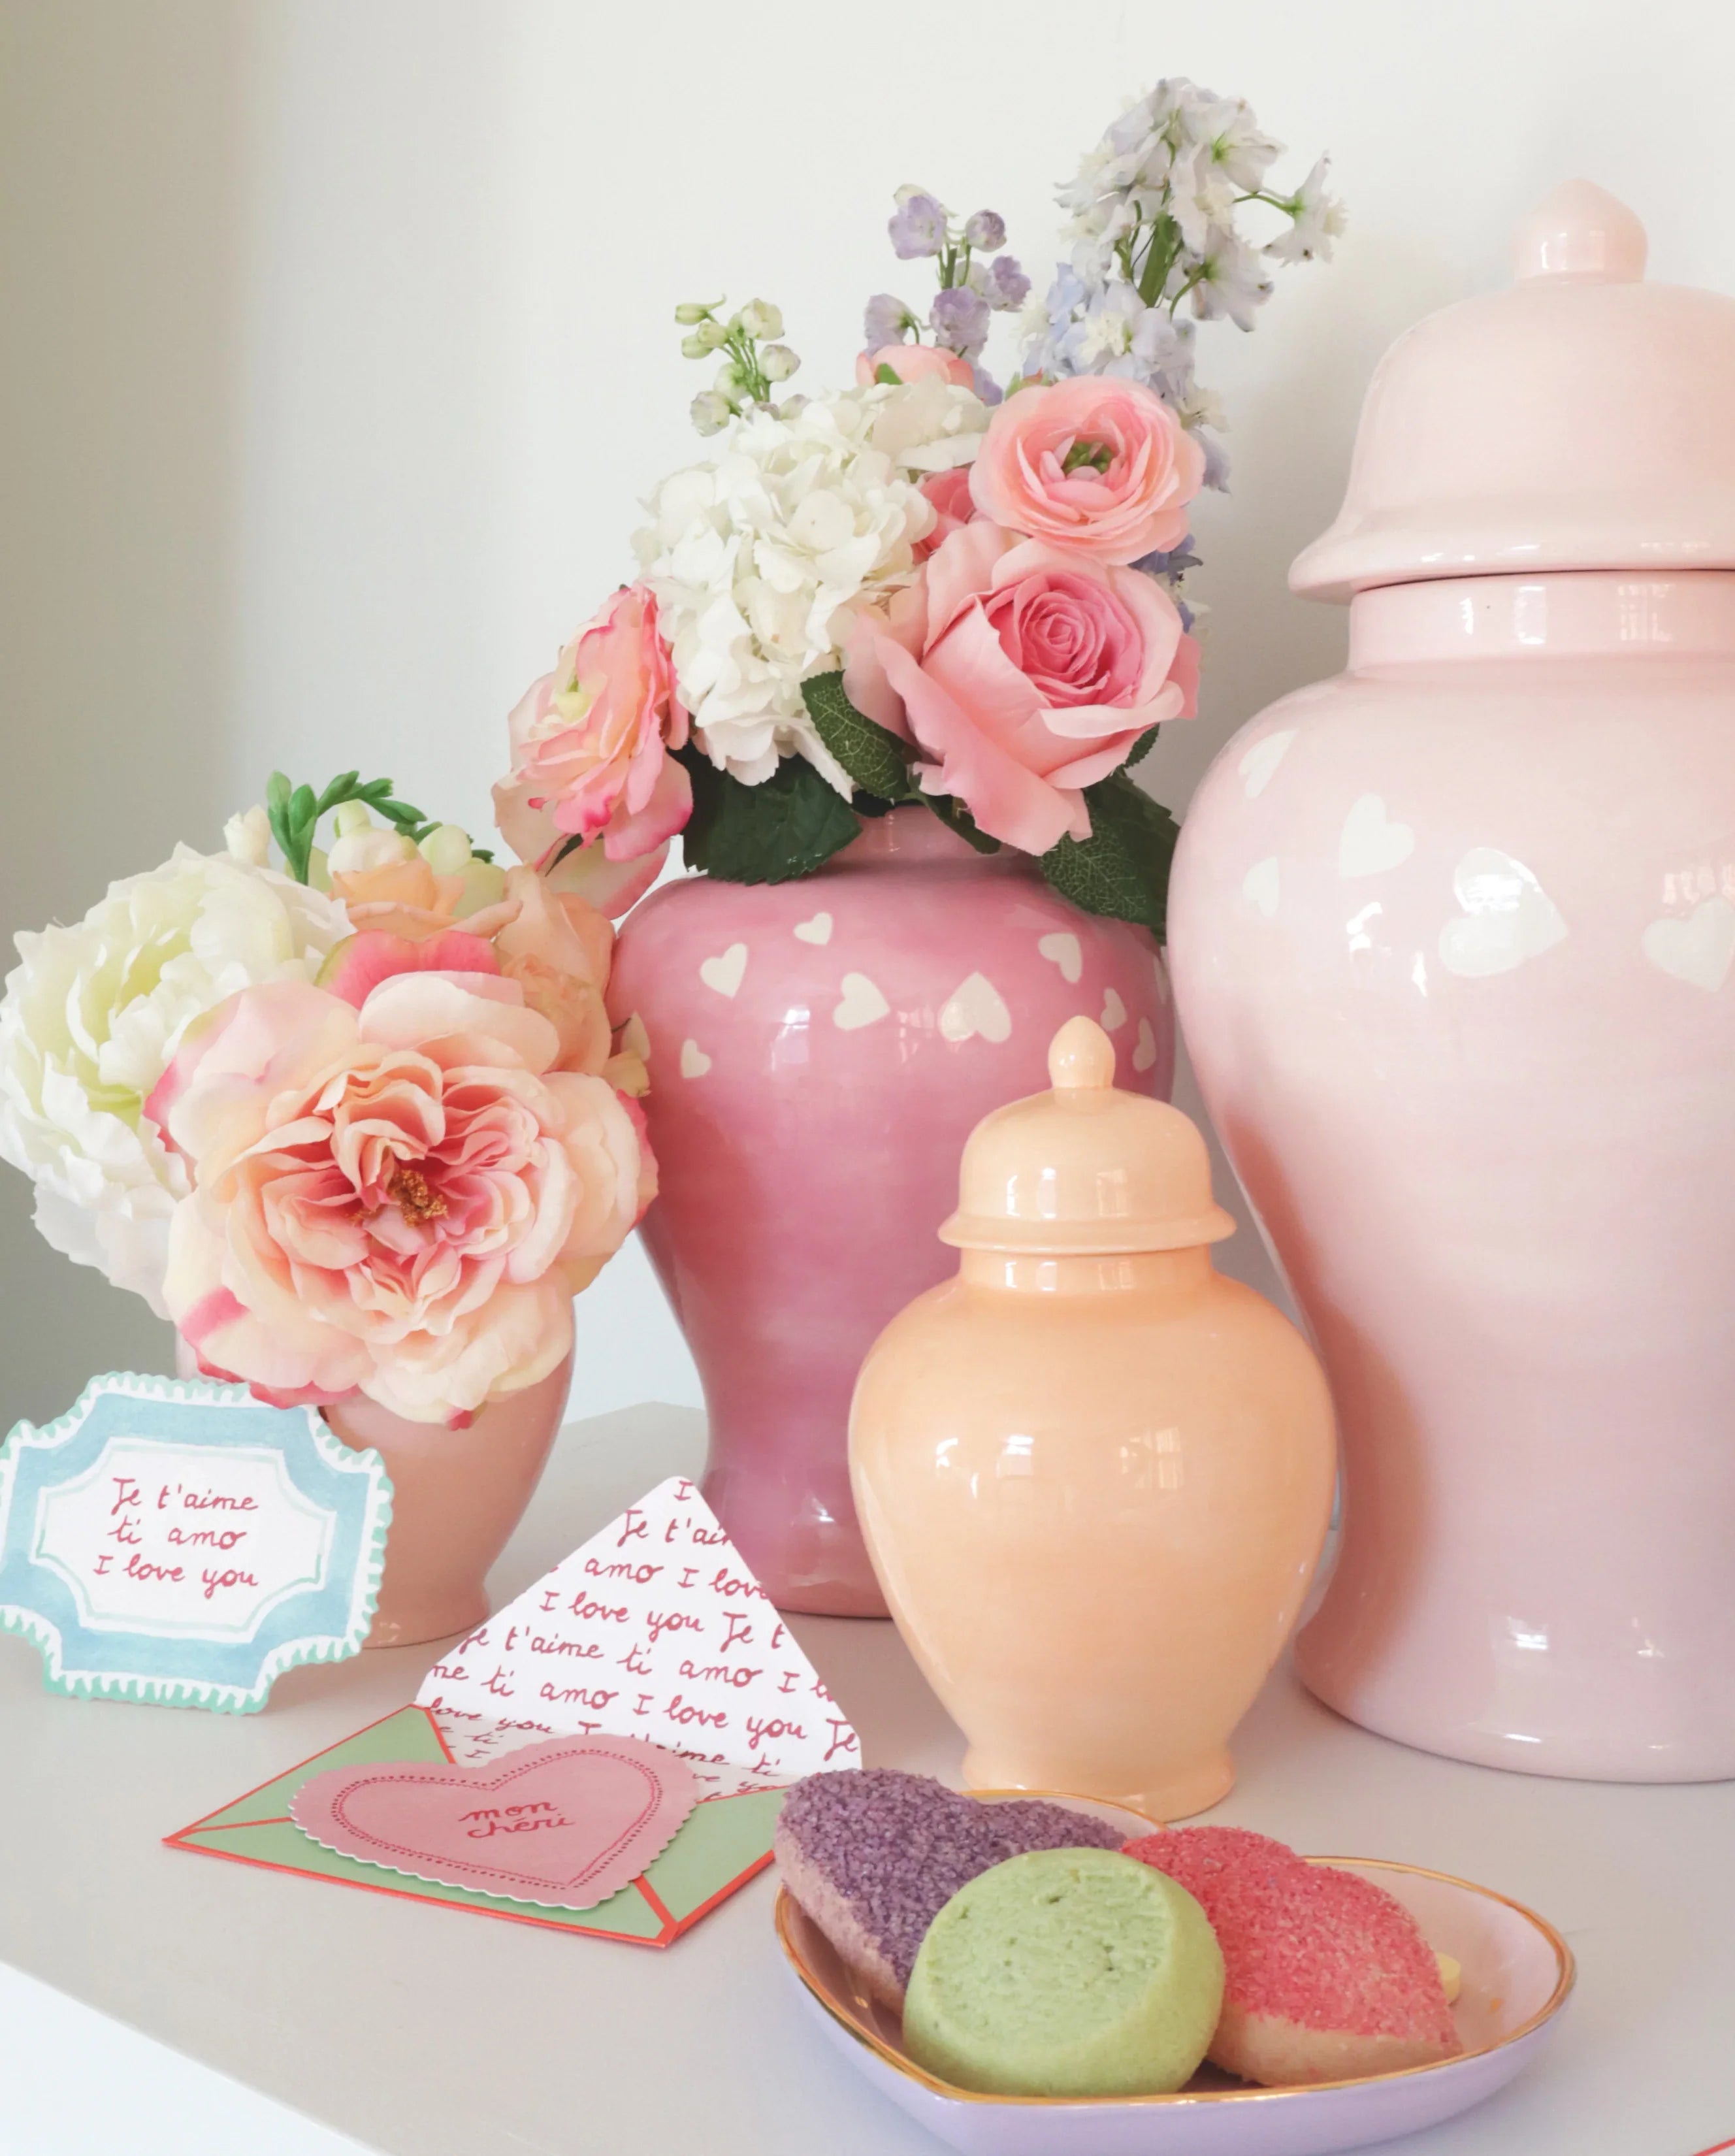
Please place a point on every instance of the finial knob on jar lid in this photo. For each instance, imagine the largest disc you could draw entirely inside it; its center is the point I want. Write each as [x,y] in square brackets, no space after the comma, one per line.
[1087,1169]
[1581,231]
[1081,1054]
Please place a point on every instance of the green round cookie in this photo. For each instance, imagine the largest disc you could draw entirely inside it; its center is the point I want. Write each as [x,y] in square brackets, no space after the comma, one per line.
[1069,1971]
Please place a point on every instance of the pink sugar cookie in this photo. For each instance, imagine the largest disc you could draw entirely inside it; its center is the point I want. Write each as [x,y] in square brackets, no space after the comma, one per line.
[1327,1977]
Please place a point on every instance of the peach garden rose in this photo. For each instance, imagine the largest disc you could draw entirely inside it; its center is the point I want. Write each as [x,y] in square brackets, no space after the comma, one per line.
[1023,674]
[401,1199]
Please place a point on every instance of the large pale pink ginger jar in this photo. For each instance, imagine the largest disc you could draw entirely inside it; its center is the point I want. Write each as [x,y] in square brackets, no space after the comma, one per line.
[819,1051]
[1452,938]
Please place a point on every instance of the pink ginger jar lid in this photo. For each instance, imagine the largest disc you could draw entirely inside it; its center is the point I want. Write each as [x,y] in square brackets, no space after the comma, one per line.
[1086,1170]
[1580,419]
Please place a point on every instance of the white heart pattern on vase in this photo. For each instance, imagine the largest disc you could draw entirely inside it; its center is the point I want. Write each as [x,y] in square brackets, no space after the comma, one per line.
[694,1061]
[1114,1012]
[1371,841]
[725,974]
[1260,764]
[975,1007]
[862,1004]
[1144,1051]
[1064,950]
[1698,950]
[816,931]
[1507,916]
[1262,886]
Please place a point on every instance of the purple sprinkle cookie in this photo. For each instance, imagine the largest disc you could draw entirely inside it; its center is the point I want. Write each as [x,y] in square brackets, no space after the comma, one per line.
[873,1856]
[1030,1823]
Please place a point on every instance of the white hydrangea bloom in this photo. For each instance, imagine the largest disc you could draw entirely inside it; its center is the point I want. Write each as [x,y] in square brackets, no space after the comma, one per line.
[89,1020]
[757,557]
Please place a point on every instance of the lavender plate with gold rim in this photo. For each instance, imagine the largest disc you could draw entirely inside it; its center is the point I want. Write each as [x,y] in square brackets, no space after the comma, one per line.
[1517,1972]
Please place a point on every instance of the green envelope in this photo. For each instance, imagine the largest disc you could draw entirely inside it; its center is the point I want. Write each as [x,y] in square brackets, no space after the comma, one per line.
[721,1845]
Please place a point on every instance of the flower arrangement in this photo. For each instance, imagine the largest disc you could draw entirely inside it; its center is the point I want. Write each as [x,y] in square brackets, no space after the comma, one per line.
[355,1121]
[922,588]
[353,1118]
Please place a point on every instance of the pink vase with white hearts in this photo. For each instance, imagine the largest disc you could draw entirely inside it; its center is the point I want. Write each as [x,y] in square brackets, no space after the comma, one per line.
[819,1051]
[1453,938]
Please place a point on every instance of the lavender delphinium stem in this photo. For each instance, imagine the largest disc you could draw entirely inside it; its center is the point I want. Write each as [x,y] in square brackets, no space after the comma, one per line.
[917,226]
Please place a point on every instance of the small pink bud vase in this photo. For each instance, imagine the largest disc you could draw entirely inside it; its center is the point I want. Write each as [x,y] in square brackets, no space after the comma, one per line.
[456,1496]
[819,1051]
[1452,937]
[1094,1475]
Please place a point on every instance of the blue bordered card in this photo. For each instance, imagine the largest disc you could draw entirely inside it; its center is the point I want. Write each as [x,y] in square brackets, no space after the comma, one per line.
[179,1542]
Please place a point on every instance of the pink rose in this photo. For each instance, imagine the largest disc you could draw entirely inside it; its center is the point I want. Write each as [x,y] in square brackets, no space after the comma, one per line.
[1023,674]
[954,507]
[1092,465]
[590,760]
[400,1199]
[910,363]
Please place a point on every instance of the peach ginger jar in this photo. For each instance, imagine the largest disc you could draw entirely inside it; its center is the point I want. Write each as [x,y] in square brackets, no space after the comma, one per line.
[1094,1476]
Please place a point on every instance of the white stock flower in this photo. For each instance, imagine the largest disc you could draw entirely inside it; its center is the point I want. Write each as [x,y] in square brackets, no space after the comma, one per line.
[1234,283]
[90,1020]
[1317,220]
[756,558]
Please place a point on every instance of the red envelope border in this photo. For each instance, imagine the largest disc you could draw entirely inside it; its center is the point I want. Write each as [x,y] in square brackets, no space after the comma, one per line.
[672,1927]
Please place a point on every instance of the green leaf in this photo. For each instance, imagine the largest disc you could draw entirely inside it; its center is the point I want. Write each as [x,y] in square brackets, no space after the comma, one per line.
[882,372]
[1121,869]
[1141,748]
[953,815]
[338,792]
[873,756]
[277,799]
[788,826]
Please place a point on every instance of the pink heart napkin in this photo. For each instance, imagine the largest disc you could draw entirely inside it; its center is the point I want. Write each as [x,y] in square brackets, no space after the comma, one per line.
[564,1824]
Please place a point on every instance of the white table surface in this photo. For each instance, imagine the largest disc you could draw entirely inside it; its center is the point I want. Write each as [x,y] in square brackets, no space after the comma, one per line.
[419,2031]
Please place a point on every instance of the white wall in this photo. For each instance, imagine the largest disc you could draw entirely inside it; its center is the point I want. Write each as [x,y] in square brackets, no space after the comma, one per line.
[336,351]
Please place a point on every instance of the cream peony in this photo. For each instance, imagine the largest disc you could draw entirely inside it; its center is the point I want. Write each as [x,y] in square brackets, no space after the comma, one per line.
[92,1016]
[756,558]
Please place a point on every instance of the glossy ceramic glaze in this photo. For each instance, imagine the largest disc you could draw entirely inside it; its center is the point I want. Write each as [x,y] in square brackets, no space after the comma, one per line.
[1578,419]
[820,1051]
[1094,1475]
[456,1496]
[1452,937]
[1517,1974]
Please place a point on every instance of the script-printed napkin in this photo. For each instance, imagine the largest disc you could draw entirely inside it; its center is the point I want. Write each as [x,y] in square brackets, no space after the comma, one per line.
[653,1628]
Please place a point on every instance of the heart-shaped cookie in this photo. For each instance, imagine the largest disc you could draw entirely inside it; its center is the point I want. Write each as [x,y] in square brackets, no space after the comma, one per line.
[1327,1976]
[564,1824]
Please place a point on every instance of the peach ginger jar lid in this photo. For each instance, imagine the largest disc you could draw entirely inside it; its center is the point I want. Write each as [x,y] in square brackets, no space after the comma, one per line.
[1580,419]
[1086,1170]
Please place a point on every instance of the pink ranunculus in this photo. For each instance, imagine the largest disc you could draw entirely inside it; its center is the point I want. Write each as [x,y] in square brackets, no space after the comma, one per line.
[400,1199]
[1023,674]
[954,507]
[590,759]
[910,363]
[1094,466]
